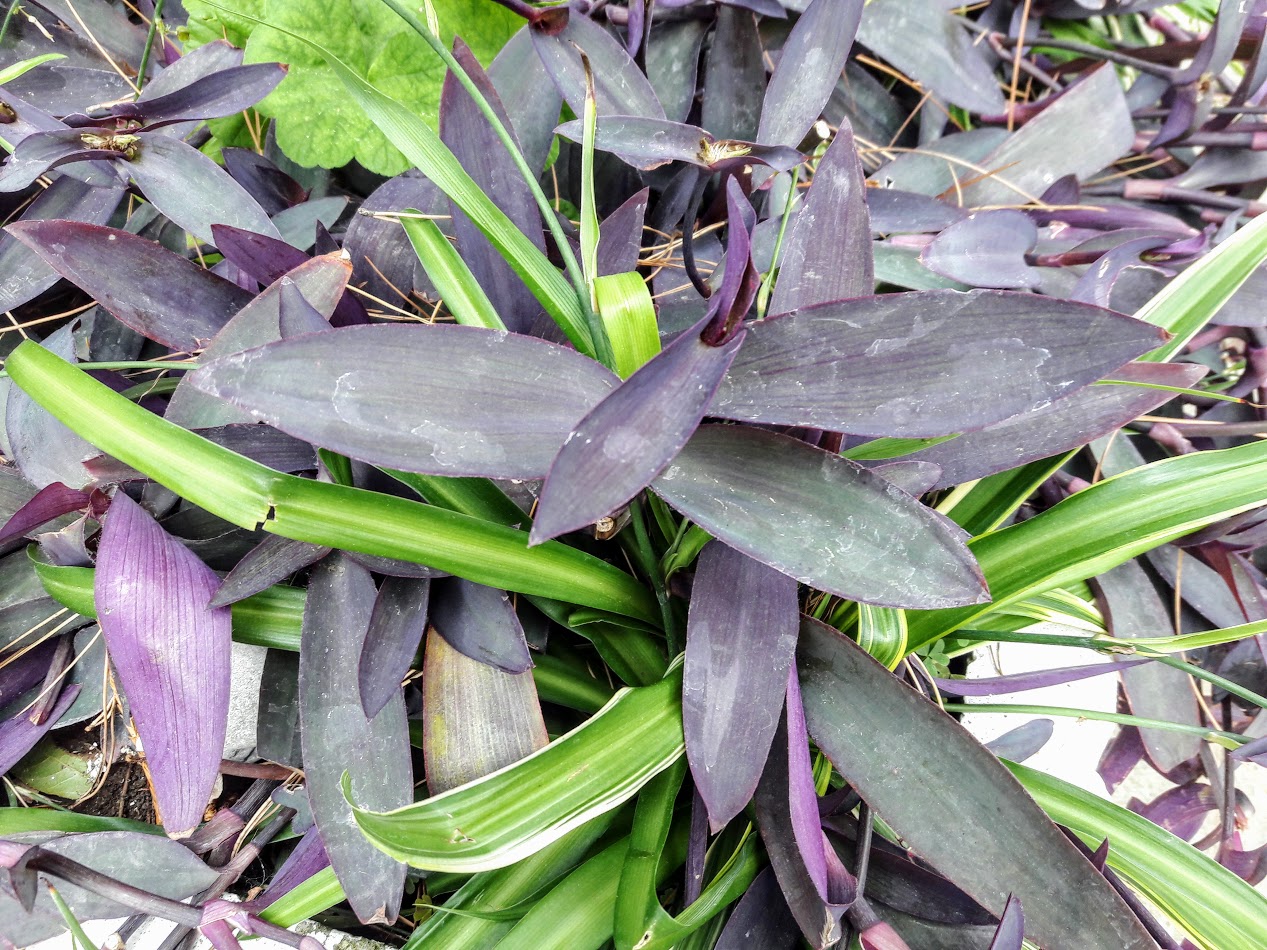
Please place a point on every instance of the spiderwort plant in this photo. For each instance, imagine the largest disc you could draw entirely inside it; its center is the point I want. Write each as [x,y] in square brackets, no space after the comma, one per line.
[668,509]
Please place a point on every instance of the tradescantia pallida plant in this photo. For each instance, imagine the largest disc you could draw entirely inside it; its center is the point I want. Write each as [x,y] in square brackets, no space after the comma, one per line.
[643,548]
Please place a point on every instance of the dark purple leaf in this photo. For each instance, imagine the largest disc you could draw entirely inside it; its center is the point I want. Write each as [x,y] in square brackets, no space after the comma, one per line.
[40,152]
[761,920]
[1020,682]
[1011,932]
[528,95]
[23,601]
[740,639]
[19,734]
[922,172]
[26,670]
[929,771]
[192,190]
[986,249]
[337,737]
[295,315]
[267,184]
[384,262]
[620,87]
[394,567]
[914,478]
[787,812]
[51,501]
[149,862]
[480,623]
[383,394]
[215,95]
[396,629]
[150,289]
[1181,810]
[170,651]
[476,146]
[1120,757]
[620,237]
[1132,608]
[925,42]
[1096,285]
[812,60]
[26,275]
[61,88]
[1064,425]
[299,225]
[476,718]
[905,212]
[628,438]
[270,562]
[321,281]
[881,936]
[820,519]
[46,451]
[1017,745]
[734,77]
[648,143]
[673,64]
[277,735]
[828,254]
[739,280]
[915,364]
[1040,151]
[206,60]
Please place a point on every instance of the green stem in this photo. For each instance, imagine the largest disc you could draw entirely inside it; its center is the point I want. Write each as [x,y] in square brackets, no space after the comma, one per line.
[651,567]
[149,44]
[1093,714]
[8,15]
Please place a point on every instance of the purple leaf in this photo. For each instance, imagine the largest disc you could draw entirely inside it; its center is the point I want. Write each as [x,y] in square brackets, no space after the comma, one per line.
[337,737]
[905,212]
[912,364]
[267,184]
[828,254]
[1181,810]
[929,771]
[308,857]
[270,562]
[1120,757]
[820,519]
[476,718]
[740,639]
[383,394]
[149,862]
[673,64]
[1132,608]
[295,315]
[1011,932]
[480,623]
[148,288]
[925,42]
[40,152]
[26,273]
[25,670]
[812,60]
[528,96]
[207,60]
[192,190]
[761,920]
[734,77]
[914,478]
[620,237]
[628,438]
[881,936]
[51,501]
[1020,682]
[23,601]
[218,94]
[986,249]
[648,143]
[1064,425]
[321,281]
[1017,745]
[170,651]
[19,734]
[1039,152]
[396,629]
[620,87]
[476,146]
[739,280]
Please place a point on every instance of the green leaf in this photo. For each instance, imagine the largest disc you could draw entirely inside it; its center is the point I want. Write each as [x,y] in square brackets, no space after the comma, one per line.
[1103,526]
[882,633]
[463,296]
[248,494]
[320,892]
[16,821]
[521,809]
[628,313]
[1215,907]
[928,774]
[316,124]
[12,72]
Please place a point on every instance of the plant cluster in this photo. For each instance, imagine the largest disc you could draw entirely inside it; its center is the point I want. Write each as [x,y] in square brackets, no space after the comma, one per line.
[617,430]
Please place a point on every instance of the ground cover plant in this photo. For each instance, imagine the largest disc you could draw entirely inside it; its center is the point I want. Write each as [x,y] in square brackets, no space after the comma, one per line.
[618,487]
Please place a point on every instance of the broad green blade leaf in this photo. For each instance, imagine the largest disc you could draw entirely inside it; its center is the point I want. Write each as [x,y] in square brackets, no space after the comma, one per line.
[819,518]
[519,810]
[628,313]
[461,293]
[1105,525]
[13,71]
[882,633]
[1215,907]
[248,494]
[929,774]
